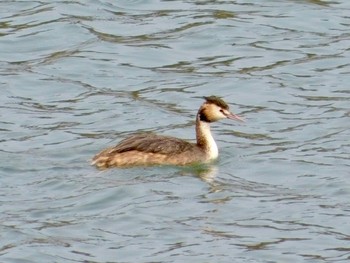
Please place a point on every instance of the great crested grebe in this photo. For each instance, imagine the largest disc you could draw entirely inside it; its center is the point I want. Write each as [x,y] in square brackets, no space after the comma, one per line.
[150,149]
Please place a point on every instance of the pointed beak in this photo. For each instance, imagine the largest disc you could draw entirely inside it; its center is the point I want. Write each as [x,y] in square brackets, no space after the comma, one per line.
[232,116]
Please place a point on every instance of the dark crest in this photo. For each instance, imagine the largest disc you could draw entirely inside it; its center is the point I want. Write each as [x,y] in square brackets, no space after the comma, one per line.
[217,101]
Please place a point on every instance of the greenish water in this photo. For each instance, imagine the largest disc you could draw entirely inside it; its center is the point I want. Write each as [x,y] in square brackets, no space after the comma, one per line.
[78,76]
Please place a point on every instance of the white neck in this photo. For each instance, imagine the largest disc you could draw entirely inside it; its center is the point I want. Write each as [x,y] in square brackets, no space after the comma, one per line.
[205,140]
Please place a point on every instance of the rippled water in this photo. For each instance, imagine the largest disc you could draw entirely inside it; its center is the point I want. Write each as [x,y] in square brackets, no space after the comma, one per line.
[77,76]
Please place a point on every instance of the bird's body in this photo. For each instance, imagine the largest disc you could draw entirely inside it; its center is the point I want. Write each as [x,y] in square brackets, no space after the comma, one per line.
[152,149]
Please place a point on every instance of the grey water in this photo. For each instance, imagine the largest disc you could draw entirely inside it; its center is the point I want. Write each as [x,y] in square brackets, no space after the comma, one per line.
[78,76]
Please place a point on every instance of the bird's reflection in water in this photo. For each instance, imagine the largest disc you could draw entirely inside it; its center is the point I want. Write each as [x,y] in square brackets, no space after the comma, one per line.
[206,172]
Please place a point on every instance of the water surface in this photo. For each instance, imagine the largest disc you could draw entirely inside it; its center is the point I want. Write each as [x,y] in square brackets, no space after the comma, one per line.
[79,76]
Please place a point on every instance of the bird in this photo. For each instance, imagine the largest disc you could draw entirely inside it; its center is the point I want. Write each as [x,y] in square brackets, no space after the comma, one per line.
[149,149]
